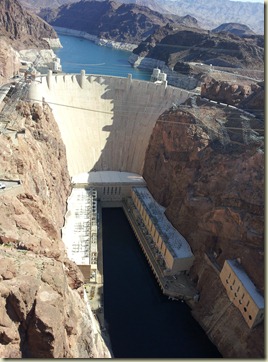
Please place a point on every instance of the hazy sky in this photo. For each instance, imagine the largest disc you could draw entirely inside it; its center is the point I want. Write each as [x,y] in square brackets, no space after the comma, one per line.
[251,1]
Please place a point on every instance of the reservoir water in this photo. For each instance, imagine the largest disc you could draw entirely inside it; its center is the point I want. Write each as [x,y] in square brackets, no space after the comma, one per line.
[142,322]
[79,53]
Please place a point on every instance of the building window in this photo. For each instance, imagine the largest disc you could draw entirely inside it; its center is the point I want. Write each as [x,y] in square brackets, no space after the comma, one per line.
[104,191]
[231,287]
[240,301]
[108,190]
[245,309]
[250,317]
[112,190]
[115,190]
[243,295]
[235,294]
[229,276]
[247,303]
[227,281]
[234,282]
[238,289]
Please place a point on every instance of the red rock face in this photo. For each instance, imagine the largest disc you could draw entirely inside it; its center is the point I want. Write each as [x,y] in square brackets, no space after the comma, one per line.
[42,313]
[209,175]
[247,95]
[23,29]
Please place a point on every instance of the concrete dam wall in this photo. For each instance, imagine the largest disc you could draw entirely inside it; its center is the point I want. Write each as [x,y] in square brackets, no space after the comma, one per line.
[105,122]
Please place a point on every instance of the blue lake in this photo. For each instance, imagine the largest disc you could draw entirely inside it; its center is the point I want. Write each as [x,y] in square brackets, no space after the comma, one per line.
[79,53]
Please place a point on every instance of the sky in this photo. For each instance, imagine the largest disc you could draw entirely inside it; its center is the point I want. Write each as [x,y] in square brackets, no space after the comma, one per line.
[251,1]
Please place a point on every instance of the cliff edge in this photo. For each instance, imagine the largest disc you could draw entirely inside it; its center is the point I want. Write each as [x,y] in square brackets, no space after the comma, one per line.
[43,312]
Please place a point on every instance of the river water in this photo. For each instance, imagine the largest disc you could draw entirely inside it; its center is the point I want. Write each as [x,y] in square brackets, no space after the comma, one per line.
[142,322]
[79,53]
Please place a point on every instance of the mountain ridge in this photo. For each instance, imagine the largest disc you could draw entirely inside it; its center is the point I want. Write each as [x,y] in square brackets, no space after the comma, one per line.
[209,13]
[111,20]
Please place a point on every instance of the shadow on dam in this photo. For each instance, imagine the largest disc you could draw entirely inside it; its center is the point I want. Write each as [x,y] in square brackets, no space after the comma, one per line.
[142,322]
[136,105]
[105,122]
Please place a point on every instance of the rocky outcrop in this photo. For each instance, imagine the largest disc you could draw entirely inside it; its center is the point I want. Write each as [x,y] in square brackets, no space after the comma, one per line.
[234,28]
[43,311]
[245,94]
[9,61]
[23,29]
[173,44]
[205,165]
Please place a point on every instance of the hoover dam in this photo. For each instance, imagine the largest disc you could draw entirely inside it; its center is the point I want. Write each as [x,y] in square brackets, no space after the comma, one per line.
[105,121]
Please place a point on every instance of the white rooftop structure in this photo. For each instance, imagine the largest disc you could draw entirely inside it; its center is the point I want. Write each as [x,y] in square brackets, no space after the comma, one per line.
[247,283]
[80,230]
[108,177]
[175,242]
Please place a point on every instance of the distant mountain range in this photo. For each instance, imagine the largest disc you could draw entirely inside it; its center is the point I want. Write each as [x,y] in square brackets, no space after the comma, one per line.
[209,13]
[128,23]
[169,38]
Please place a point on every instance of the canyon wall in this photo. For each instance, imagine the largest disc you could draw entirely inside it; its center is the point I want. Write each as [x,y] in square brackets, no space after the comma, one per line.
[9,61]
[43,312]
[205,165]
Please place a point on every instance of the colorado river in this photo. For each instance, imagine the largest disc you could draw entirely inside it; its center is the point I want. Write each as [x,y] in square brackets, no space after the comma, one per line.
[142,322]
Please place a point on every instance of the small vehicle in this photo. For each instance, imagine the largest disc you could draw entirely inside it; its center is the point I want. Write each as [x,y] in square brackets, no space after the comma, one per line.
[2,186]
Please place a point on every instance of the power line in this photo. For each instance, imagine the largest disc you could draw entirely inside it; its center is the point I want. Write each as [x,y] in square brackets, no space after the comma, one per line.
[122,113]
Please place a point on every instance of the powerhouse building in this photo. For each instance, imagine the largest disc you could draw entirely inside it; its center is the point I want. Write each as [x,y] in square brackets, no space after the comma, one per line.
[175,250]
[242,292]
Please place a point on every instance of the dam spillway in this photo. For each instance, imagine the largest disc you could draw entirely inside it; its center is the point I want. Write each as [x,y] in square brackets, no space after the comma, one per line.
[105,122]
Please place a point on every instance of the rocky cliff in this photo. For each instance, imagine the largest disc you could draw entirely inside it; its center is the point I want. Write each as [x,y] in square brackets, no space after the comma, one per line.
[244,94]
[23,29]
[20,30]
[175,44]
[9,61]
[43,312]
[205,165]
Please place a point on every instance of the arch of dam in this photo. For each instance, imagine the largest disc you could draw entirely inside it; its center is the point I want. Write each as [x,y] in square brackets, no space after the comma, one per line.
[105,121]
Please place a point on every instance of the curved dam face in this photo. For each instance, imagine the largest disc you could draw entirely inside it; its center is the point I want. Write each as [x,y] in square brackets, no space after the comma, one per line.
[105,122]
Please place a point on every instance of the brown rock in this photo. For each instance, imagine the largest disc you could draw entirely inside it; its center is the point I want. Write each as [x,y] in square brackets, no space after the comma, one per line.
[210,178]
[43,313]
